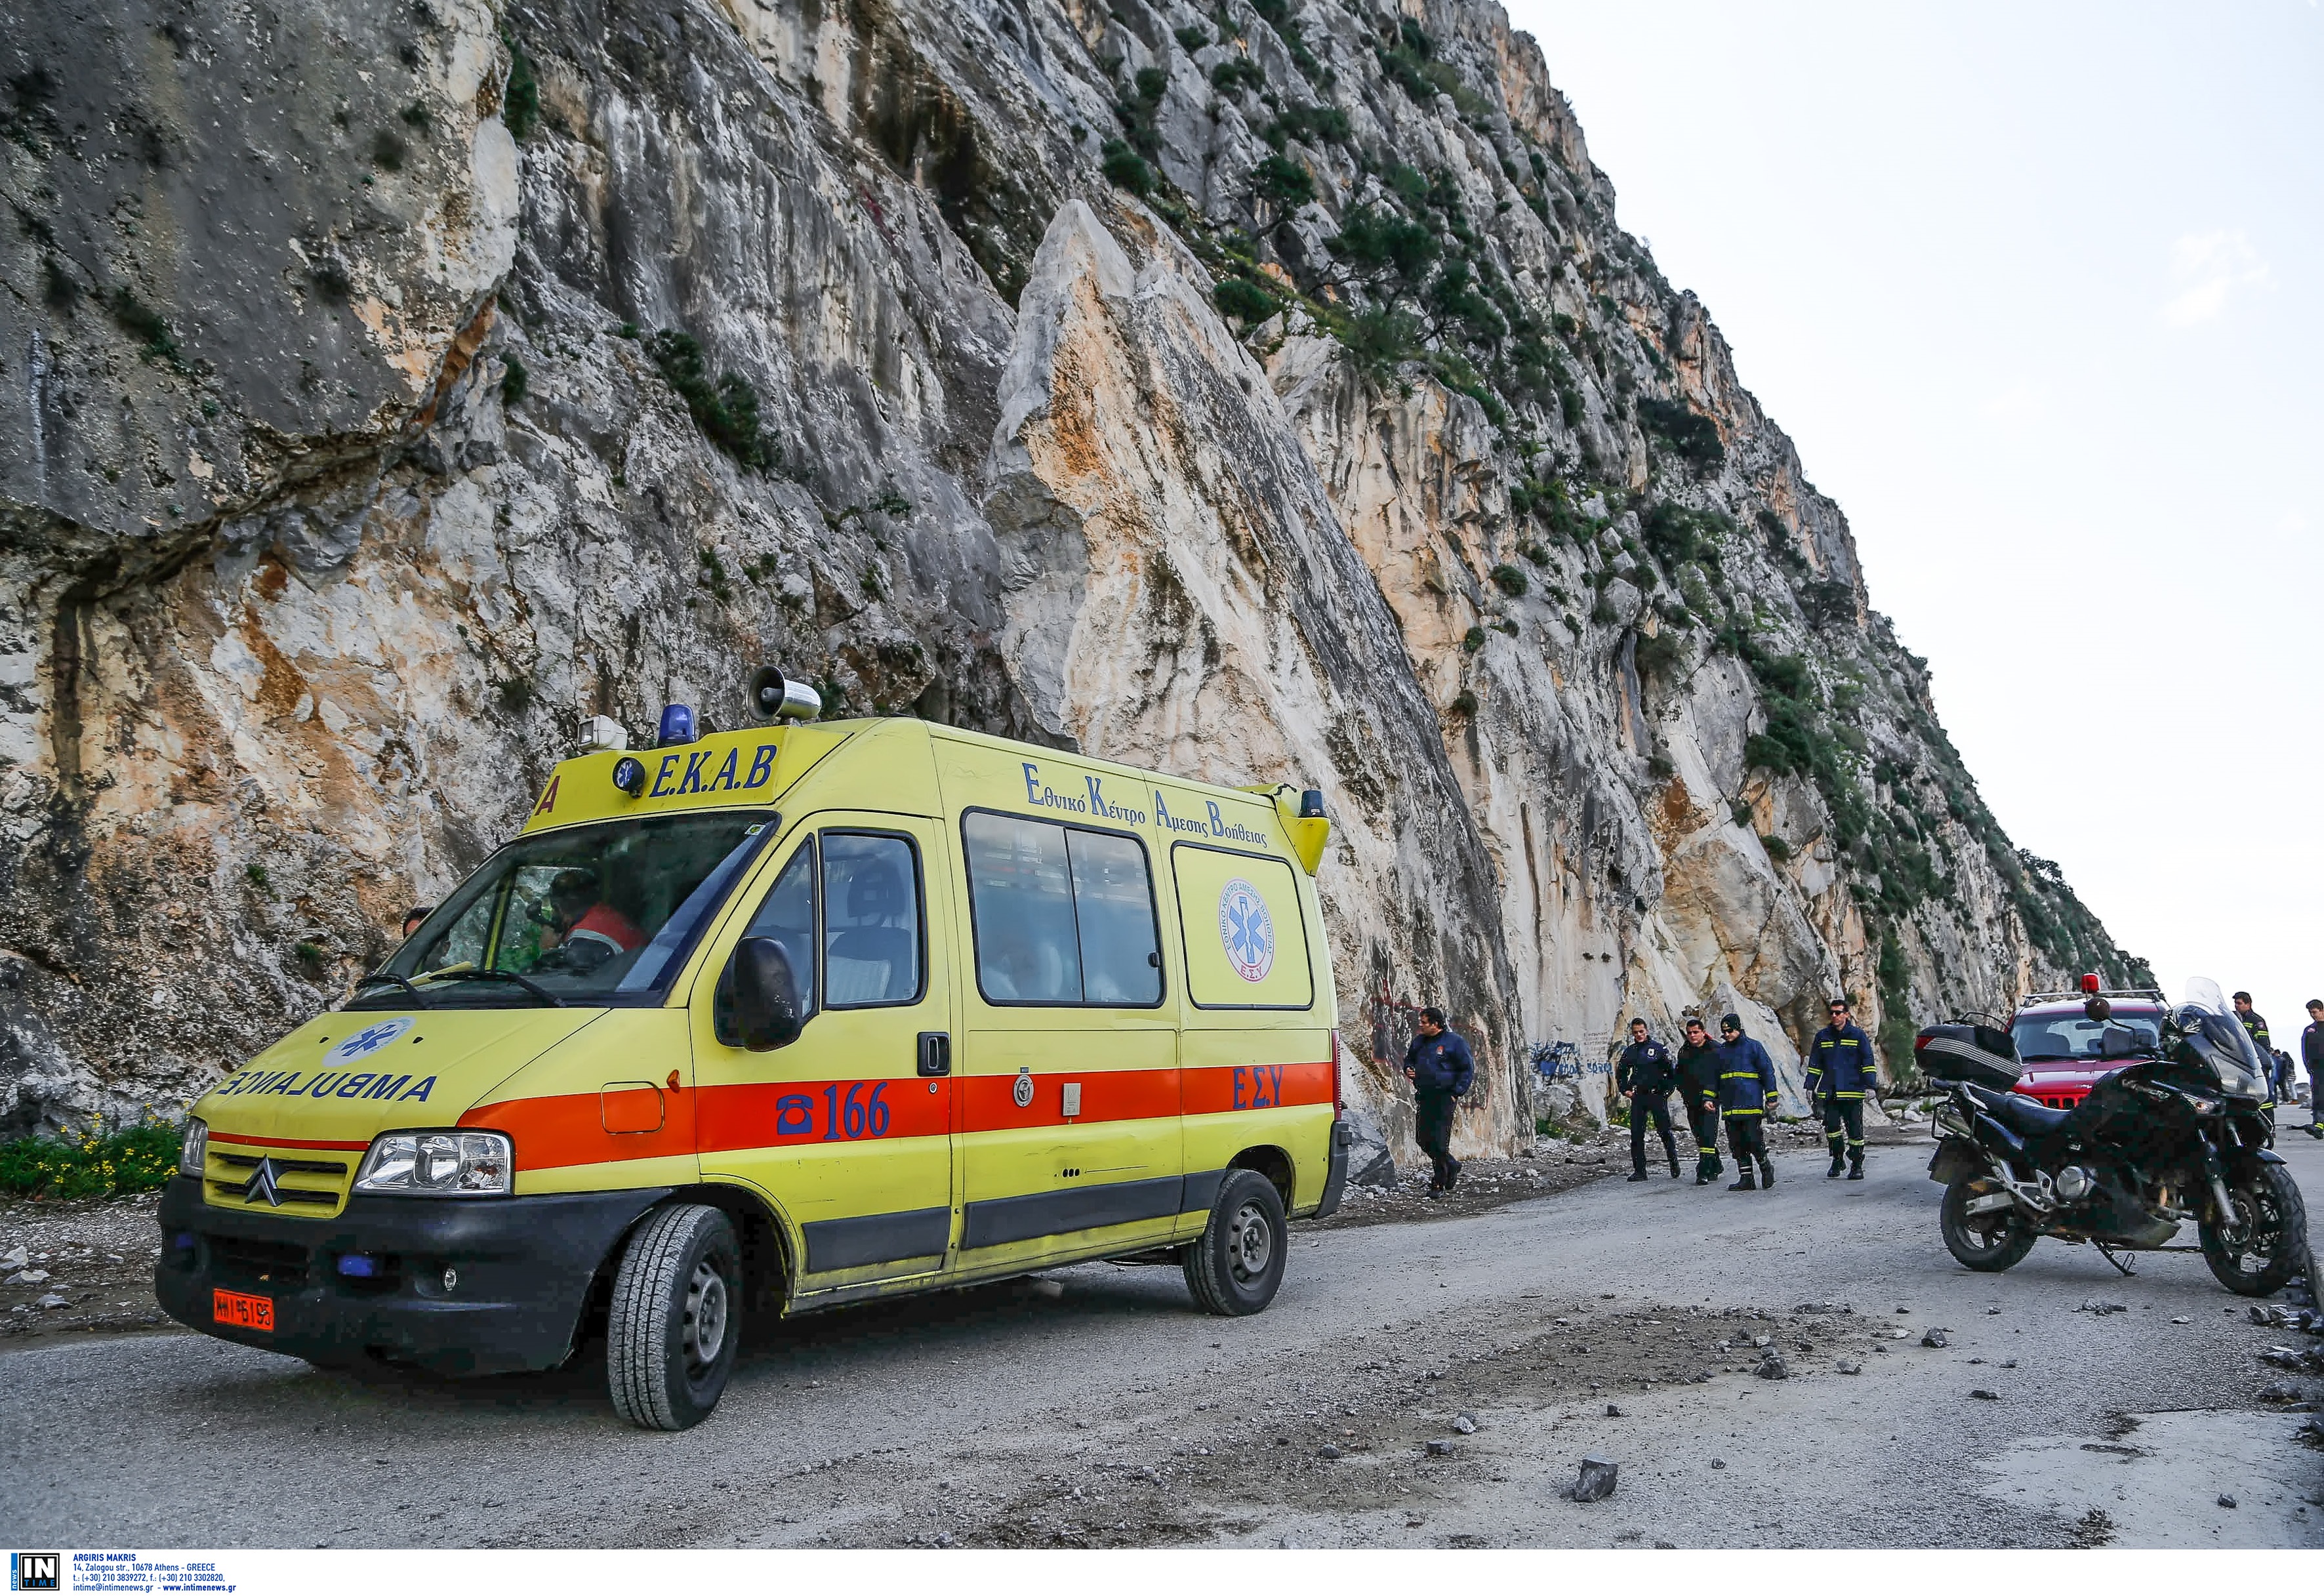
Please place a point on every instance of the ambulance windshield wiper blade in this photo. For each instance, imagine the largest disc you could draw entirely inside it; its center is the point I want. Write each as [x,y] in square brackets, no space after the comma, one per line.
[390,978]
[531,985]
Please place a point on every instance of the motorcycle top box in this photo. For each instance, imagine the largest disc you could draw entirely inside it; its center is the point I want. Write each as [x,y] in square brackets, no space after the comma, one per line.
[1979,1055]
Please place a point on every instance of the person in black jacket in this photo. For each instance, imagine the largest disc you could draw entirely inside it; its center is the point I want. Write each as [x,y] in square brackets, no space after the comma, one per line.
[1698,1096]
[1841,1072]
[1440,1067]
[1646,1076]
[2311,1055]
[2256,1029]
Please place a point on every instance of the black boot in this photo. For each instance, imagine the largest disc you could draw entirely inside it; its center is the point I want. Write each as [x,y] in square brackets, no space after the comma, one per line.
[1745,1183]
[1767,1176]
[1674,1166]
[1834,1173]
[1703,1174]
[1637,1175]
[1856,1167]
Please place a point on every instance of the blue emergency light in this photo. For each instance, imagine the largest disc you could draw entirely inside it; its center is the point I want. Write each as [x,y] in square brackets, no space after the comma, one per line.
[358,1266]
[676,725]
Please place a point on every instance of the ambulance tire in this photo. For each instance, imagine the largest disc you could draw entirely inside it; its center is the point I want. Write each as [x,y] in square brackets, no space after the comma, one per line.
[676,1317]
[1236,1265]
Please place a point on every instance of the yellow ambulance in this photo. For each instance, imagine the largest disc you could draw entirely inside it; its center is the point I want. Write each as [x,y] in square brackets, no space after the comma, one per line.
[774,1021]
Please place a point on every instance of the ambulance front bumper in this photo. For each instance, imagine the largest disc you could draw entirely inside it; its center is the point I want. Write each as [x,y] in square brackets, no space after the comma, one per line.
[464,1287]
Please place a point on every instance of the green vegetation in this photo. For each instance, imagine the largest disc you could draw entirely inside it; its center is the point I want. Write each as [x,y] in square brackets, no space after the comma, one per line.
[727,410]
[96,1163]
[514,381]
[1465,703]
[1282,182]
[1378,341]
[1232,76]
[1694,437]
[1277,15]
[1313,124]
[1510,580]
[1190,39]
[388,149]
[1242,299]
[1473,638]
[1125,167]
[520,100]
[143,322]
[1659,656]
[1678,536]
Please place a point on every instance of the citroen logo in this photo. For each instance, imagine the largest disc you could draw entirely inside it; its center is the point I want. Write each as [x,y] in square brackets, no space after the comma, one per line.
[262,1185]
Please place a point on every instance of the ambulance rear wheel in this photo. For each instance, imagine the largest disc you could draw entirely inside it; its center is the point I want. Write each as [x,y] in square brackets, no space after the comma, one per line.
[1237,1265]
[676,1317]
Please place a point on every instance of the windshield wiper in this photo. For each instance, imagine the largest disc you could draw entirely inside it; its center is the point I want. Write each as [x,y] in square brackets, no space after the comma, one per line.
[390,978]
[534,987]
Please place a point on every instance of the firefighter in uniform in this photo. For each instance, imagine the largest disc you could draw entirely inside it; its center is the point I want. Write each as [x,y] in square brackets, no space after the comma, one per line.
[1746,1096]
[1841,1073]
[1646,1076]
[1698,1096]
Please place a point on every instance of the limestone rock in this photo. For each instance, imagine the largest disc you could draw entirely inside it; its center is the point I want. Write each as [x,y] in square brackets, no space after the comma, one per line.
[343,474]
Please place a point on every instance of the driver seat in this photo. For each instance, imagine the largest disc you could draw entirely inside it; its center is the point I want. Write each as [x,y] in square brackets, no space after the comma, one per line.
[2021,1113]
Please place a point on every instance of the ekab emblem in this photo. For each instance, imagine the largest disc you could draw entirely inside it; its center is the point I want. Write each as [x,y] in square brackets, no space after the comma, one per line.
[1246,930]
[368,1040]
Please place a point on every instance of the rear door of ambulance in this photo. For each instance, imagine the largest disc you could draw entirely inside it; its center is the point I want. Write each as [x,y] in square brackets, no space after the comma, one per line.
[1256,1052]
[1068,1049]
[850,1128]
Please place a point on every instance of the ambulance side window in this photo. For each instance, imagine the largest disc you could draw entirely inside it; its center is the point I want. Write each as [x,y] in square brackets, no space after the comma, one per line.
[1021,894]
[1064,915]
[788,915]
[871,920]
[1113,905]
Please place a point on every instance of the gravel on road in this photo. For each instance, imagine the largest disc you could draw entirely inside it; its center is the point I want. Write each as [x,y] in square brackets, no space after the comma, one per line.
[1093,1406]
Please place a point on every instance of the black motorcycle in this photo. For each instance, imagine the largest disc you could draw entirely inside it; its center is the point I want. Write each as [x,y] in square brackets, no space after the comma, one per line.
[2164,1139]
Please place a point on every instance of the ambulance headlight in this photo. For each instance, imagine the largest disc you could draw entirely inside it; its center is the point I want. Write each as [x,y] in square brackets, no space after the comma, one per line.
[437,1164]
[195,1150]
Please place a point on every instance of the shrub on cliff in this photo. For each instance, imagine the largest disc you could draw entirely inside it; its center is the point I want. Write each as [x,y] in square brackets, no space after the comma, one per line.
[726,409]
[1378,341]
[1242,299]
[1694,437]
[1283,183]
[1125,167]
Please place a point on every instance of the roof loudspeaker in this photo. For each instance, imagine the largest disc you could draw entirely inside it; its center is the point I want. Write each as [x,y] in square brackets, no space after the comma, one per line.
[774,696]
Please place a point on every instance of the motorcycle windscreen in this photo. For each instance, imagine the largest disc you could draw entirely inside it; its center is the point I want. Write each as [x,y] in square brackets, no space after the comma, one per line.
[2221,1040]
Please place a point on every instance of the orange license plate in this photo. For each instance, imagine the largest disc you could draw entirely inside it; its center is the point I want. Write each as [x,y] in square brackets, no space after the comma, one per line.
[241,1308]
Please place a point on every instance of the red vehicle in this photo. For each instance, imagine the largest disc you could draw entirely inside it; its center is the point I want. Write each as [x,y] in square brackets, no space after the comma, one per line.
[2066,1050]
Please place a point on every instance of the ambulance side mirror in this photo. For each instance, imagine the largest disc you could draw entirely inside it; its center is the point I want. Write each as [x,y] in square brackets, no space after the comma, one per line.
[766,994]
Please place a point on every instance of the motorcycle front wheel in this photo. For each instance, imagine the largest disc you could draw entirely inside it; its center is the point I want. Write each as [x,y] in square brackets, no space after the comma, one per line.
[2267,1242]
[1987,1243]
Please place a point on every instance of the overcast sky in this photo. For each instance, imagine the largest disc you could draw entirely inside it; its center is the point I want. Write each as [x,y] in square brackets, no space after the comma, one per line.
[2035,289]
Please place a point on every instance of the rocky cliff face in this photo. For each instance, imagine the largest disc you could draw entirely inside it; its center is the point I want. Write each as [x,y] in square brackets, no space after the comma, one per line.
[1264,392]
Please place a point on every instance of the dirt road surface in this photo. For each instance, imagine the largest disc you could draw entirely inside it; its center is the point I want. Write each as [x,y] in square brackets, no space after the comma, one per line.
[1430,1382]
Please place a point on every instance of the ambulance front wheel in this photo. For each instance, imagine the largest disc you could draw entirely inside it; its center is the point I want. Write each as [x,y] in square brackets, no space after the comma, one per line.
[1237,1264]
[676,1317]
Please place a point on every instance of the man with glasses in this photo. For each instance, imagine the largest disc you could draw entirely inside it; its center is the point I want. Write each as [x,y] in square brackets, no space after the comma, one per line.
[1840,1072]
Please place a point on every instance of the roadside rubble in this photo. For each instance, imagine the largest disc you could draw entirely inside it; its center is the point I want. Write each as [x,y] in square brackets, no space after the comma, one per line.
[78,1266]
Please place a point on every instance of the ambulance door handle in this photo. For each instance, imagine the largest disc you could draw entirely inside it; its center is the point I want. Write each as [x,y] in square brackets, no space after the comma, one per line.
[935,1053]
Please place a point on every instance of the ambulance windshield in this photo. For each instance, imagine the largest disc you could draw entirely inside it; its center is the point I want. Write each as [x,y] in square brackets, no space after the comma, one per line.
[596,914]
